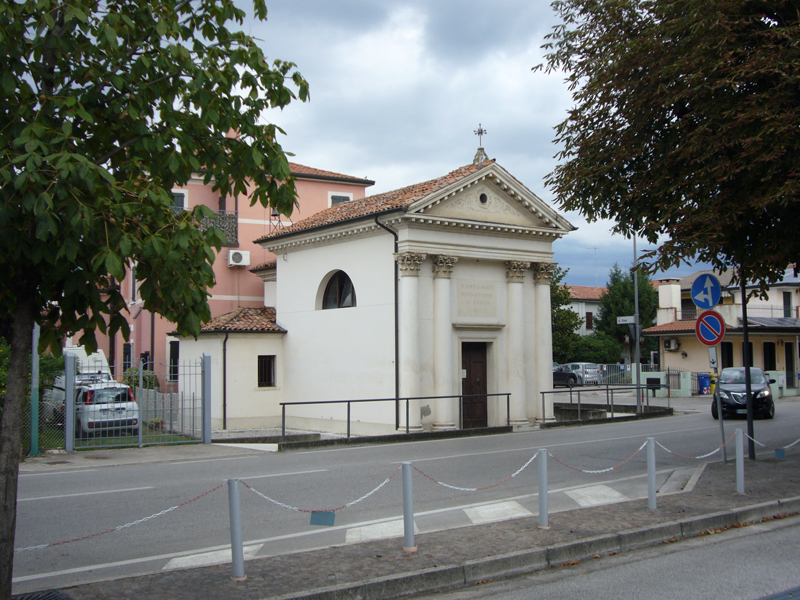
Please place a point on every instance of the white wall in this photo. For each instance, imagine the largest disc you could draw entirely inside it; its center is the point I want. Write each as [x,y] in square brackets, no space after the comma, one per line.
[345,353]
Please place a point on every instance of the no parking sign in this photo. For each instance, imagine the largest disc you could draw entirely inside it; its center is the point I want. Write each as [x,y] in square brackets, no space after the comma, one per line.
[710,328]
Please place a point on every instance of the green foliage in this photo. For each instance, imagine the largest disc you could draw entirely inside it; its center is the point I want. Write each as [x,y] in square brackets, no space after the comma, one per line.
[149,379]
[49,368]
[107,107]
[565,321]
[598,348]
[685,127]
[618,300]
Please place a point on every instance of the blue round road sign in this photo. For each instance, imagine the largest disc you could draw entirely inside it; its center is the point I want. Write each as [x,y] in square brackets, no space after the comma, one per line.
[710,328]
[706,292]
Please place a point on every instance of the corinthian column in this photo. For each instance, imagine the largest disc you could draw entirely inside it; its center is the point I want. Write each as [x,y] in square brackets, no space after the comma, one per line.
[442,342]
[544,340]
[515,336]
[409,263]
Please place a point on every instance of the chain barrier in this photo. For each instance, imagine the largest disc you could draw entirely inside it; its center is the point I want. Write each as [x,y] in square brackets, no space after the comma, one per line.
[597,472]
[797,441]
[702,456]
[120,527]
[478,489]
[307,510]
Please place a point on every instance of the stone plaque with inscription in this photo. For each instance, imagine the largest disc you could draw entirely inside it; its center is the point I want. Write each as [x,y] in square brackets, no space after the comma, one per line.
[477,300]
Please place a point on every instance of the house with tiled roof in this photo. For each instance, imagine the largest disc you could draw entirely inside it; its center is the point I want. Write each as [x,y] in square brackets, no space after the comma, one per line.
[236,286]
[773,327]
[437,292]
[585,301]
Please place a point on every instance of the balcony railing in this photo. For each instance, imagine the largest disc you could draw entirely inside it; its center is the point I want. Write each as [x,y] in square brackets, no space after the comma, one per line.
[227,221]
[733,312]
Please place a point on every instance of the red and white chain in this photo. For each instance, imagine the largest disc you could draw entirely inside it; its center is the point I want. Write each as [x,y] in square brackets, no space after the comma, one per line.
[307,510]
[120,527]
[597,472]
[728,441]
[478,489]
[770,447]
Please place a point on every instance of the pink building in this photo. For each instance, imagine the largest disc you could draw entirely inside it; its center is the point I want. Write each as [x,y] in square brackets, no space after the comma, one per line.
[235,285]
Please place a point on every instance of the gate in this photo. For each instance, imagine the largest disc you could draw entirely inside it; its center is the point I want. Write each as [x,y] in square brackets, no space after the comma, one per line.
[146,404]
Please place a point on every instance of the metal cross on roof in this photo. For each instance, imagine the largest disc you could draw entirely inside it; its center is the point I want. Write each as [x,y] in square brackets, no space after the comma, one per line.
[480,132]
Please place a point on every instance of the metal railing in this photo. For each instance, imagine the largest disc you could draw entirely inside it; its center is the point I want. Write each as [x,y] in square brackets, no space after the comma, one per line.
[609,390]
[398,401]
[226,220]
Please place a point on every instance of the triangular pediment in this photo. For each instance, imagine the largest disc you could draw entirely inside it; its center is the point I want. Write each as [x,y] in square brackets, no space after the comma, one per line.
[494,198]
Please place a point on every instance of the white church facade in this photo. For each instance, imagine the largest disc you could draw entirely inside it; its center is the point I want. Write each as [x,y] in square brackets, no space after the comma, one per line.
[439,292]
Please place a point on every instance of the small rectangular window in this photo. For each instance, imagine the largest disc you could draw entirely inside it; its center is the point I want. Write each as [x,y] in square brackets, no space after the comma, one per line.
[127,355]
[337,199]
[266,371]
[174,357]
[787,305]
[179,200]
[589,321]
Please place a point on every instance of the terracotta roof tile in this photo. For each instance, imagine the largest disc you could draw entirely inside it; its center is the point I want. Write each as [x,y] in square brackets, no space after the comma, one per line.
[245,320]
[673,327]
[264,266]
[303,171]
[396,199]
[585,292]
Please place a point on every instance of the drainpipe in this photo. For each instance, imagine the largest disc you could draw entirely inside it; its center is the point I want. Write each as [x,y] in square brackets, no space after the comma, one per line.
[225,382]
[396,320]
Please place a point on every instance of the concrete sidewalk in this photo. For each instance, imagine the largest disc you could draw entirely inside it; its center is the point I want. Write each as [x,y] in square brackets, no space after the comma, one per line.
[469,555]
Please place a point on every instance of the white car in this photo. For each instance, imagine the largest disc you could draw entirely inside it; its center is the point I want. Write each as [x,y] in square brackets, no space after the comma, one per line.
[105,406]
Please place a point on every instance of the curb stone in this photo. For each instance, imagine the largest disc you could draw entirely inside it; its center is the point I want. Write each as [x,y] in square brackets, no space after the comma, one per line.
[522,563]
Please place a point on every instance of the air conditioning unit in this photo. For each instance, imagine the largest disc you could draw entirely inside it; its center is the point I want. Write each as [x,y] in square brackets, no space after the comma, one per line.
[671,345]
[238,258]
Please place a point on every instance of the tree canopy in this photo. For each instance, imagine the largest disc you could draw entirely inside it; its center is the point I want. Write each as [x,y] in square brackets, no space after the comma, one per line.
[619,300]
[685,128]
[106,107]
[565,321]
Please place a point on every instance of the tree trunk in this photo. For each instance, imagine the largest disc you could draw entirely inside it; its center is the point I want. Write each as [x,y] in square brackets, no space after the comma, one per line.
[11,436]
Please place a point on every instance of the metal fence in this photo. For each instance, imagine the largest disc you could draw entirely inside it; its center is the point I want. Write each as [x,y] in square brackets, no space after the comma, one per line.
[105,407]
[619,374]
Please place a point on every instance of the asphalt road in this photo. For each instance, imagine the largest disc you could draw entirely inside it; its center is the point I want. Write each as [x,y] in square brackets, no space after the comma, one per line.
[750,563]
[61,505]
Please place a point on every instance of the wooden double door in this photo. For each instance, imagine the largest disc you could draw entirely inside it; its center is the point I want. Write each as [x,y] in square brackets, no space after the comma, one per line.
[473,385]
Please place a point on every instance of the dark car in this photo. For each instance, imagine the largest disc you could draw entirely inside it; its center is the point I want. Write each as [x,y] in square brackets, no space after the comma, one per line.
[563,376]
[732,393]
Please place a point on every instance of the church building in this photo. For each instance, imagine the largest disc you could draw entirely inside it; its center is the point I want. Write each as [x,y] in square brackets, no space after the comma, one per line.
[438,292]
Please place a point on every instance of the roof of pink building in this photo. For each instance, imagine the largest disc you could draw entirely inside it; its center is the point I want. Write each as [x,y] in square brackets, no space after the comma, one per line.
[394,200]
[264,266]
[585,292]
[245,320]
[304,172]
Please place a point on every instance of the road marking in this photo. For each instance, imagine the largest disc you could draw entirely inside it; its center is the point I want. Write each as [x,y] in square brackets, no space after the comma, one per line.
[138,489]
[596,495]
[206,559]
[302,534]
[259,447]
[499,511]
[379,531]
[248,477]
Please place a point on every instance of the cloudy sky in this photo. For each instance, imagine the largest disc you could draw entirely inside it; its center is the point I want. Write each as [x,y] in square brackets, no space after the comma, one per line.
[398,88]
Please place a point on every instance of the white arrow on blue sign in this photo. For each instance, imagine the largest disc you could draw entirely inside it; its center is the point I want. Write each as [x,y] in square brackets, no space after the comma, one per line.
[706,292]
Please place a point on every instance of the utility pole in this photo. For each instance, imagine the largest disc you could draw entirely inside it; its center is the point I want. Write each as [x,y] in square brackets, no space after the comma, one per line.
[636,326]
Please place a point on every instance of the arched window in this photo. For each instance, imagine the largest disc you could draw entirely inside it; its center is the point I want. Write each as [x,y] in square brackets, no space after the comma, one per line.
[339,292]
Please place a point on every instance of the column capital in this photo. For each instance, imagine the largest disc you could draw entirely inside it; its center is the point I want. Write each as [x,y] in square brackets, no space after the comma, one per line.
[515,270]
[543,272]
[443,266]
[409,262]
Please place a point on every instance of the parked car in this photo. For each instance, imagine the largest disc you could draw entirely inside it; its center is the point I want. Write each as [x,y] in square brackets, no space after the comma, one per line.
[563,376]
[732,393]
[587,373]
[53,399]
[105,407]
